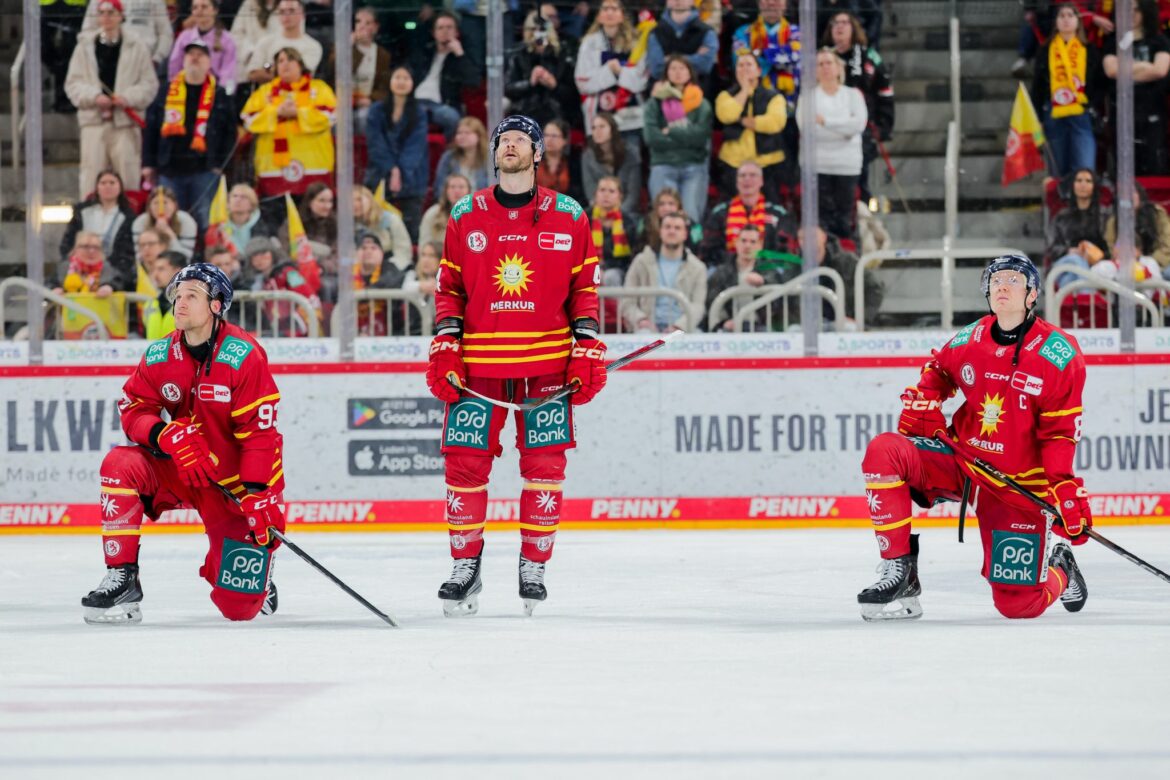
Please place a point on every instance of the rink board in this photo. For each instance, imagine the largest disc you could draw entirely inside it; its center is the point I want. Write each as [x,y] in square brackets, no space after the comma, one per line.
[719,439]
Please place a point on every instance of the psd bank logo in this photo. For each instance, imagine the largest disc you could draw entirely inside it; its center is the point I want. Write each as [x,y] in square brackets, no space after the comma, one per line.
[243,568]
[1013,558]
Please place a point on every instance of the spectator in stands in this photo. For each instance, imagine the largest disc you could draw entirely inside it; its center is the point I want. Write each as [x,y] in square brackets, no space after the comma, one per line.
[262,60]
[374,270]
[614,233]
[424,276]
[190,133]
[221,46]
[775,42]
[1151,64]
[558,169]
[681,32]
[245,221]
[157,314]
[748,205]
[1065,87]
[1040,18]
[386,223]
[111,80]
[107,213]
[177,228]
[667,201]
[227,259]
[85,270]
[147,21]
[371,67]
[150,247]
[396,132]
[831,254]
[291,117]
[677,130]
[742,269]
[840,121]
[273,271]
[255,20]
[539,82]
[442,70]
[434,221]
[1151,228]
[60,23]
[753,118]
[674,267]
[866,72]
[608,154]
[318,215]
[473,26]
[467,154]
[1077,233]
[611,75]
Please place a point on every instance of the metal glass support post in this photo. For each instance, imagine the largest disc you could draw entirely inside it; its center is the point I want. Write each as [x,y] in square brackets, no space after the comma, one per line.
[1126,252]
[33,179]
[810,305]
[343,48]
[495,64]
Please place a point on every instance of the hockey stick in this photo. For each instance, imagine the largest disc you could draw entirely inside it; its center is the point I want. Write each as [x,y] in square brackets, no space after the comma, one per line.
[304,556]
[1048,508]
[536,403]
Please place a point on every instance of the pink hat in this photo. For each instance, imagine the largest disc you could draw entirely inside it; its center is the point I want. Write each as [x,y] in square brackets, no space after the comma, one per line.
[115,4]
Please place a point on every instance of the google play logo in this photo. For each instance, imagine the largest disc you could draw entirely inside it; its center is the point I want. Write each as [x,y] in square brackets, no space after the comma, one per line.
[362,414]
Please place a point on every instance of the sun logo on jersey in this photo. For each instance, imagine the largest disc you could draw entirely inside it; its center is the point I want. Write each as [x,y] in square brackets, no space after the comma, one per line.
[513,275]
[992,412]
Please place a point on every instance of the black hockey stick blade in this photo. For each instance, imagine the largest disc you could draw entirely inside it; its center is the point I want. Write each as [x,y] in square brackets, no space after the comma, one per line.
[536,403]
[998,475]
[304,556]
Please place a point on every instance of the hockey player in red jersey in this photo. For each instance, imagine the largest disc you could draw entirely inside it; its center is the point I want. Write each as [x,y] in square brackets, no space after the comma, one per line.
[1021,379]
[201,411]
[516,311]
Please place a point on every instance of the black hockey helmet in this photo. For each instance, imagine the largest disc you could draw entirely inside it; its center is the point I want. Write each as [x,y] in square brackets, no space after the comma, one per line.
[525,124]
[219,287]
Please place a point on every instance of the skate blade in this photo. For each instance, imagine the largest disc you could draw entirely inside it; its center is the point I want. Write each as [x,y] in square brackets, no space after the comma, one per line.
[530,605]
[118,614]
[901,609]
[1074,605]
[465,608]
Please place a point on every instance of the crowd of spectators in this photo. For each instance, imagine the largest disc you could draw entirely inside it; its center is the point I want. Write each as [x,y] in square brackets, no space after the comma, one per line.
[666,119]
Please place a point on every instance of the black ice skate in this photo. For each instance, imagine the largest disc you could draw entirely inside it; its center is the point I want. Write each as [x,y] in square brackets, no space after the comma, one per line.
[895,595]
[270,600]
[1076,594]
[117,599]
[460,593]
[532,589]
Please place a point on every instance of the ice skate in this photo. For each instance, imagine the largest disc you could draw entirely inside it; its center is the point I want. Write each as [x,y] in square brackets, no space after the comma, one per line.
[117,599]
[1076,594]
[460,593]
[895,595]
[532,589]
[270,600]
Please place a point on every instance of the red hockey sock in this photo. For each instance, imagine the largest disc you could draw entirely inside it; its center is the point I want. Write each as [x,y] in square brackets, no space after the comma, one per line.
[466,518]
[540,513]
[122,512]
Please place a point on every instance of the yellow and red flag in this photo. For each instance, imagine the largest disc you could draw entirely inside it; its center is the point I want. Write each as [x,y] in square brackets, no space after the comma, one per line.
[298,245]
[218,213]
[1025,137]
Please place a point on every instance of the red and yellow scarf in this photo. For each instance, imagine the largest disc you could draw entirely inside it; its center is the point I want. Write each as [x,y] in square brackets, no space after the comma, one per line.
[1067,63]
[761,41]
[737,217]
[621,244]
[175,111]
[285,127]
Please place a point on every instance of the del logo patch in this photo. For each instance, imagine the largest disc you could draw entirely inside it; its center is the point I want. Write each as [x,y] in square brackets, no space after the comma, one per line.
[555,242]
[1057,350]
[548,424]
[157,352]
[233,351]
[243,568]
[215,393]
[468,424]
[1013,558]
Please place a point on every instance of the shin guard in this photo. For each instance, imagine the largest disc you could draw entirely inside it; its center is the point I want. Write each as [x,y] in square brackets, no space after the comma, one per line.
[466,518]
[540,513]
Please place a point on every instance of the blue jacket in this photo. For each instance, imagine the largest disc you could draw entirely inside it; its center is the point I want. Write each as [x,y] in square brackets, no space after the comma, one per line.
[391,146]
[703,63]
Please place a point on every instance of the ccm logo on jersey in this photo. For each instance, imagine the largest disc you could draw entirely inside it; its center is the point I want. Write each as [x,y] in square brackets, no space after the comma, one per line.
[556,242]
[513,237]
[217,393]
[1026,383]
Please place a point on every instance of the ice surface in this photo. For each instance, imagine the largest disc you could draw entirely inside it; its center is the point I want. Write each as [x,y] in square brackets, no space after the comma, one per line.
[682,654]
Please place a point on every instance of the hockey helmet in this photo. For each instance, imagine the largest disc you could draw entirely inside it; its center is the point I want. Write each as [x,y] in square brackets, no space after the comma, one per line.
[524,124]
[1018,263]
[218,286]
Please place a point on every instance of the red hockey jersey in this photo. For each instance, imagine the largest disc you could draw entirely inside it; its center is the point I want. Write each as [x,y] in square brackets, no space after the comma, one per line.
[517,278]
[1024,419]
[233,395]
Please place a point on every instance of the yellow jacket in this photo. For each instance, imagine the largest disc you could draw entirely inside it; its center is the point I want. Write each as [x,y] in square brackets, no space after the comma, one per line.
[737,151]
[292,149]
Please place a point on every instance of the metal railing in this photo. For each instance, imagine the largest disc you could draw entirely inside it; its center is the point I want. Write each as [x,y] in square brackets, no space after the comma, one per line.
[946,266]
[748,301]
[48,295]
[1088,281]
[277,310]
[14,103]
[379,320]
[624,294]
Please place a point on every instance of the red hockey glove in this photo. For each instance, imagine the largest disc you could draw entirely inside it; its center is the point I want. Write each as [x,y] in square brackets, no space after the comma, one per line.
[1071,498]
[446,359]
[922,414]
[586,370]
[263,511]
[187,446]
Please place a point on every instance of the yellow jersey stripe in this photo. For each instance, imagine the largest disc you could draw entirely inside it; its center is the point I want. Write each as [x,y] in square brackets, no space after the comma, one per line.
[530,359]
[530,527]
[126,532]
[542,485]
[113,491]
[1063,412]
[479,489]
[881,485]
[588,261]
[505,347]
[254,404]
[449,264]
[891,526]
[468,527]
[588,289]
[243,435]
[275,477]
[516,334]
